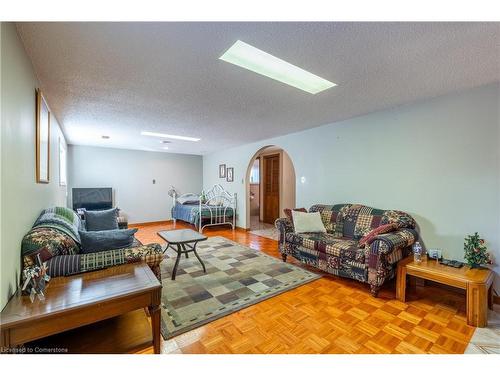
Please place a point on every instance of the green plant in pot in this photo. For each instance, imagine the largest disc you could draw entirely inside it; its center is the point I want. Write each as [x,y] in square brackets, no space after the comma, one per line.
[476,253]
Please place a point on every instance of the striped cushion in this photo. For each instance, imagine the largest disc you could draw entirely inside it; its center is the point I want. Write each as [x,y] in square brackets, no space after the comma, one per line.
[63,265]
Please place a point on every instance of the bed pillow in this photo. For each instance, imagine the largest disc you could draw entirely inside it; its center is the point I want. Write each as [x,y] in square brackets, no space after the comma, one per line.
[307,222]
[369,237]
[95,241]
[216,202]
[101,220]
[189,199]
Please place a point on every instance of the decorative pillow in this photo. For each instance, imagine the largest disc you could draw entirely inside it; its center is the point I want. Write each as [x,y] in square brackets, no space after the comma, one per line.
[197,201]
[189,199]
[288,212]
[216,202]
[95,241]
[386,228]
[304,222]
[101,220]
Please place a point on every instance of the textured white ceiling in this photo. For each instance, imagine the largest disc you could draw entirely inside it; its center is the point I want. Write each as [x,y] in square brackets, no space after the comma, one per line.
[117,79]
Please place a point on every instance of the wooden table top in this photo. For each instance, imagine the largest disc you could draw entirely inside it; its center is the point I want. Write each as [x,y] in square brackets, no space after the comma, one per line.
[463,274]
[180,236]
[77,291]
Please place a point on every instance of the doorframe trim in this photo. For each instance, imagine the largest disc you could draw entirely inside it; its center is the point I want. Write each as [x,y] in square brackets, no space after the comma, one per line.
[245,211]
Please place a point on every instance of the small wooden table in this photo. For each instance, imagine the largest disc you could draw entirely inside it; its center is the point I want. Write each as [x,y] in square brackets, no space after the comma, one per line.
[476,282]
[185,241]
[78,300]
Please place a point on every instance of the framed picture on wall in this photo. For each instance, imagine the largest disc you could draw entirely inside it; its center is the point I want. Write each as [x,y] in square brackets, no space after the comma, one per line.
[222,171]
[42,139]
[230,174]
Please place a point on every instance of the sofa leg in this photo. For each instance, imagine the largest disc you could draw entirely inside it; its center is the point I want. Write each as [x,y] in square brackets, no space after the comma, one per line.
[283,256]
[374,289]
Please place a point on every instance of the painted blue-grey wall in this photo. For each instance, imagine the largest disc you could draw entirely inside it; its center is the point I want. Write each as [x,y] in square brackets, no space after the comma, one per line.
[437,159]
[22,199]
[131,173]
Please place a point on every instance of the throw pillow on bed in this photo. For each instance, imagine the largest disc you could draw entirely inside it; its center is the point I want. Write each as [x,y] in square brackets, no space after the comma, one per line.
[95,241]
[189,199]
[305,222]
[101,220]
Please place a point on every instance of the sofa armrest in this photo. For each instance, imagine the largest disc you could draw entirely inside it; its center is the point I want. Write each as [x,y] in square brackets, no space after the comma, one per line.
[384,251]
[284,225]
[401,238]
[151,254]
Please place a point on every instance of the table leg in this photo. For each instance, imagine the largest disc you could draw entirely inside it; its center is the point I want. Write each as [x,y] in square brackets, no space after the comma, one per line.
[197,256]
[154,312]
[477,305]
[401,283]
[490,297]
[179,254]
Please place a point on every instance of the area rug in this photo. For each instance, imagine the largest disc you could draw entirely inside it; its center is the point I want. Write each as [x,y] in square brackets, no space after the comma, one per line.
[271,233]
[237,277]
[487,340]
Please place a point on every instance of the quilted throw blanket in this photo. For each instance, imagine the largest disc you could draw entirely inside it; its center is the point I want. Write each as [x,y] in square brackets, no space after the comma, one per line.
[60,218]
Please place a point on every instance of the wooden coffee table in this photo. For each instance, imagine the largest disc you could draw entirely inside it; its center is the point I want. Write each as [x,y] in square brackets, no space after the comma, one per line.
[183,241]
[78,300]
[476,282]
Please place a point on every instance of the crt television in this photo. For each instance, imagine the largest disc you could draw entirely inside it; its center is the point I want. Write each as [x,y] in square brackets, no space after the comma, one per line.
[92,198]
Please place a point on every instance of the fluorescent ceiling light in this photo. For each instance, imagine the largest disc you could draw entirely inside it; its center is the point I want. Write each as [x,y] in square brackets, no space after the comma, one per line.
[180,137]
[251,58]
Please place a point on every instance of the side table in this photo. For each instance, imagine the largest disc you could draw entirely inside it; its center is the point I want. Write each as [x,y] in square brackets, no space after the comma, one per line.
[476,282]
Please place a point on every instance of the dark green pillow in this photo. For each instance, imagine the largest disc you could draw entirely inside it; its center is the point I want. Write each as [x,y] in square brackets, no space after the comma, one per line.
[95,241]
[101,220]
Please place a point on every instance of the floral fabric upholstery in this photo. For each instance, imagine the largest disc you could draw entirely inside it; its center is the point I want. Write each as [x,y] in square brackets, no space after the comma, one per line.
[47,242]
[338,251]
[62,253]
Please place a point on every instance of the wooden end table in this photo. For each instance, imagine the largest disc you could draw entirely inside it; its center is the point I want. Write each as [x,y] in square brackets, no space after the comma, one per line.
[476,282]
[82,299]
[185,241]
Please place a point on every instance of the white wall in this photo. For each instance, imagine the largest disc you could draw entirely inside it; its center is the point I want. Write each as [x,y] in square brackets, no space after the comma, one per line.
[22,199]
[130,173]
[437,159]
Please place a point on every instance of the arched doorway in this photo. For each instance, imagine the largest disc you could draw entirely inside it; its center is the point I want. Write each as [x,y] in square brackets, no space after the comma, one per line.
[270,188]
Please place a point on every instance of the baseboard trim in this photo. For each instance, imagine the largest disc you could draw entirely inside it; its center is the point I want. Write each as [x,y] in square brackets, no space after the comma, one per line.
[241,228]
[152,223]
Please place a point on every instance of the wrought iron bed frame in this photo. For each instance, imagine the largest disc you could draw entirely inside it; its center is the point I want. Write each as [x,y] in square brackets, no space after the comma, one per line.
[217,201]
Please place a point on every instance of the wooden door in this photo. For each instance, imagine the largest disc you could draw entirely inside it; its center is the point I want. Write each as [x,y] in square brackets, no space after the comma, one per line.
[271,191]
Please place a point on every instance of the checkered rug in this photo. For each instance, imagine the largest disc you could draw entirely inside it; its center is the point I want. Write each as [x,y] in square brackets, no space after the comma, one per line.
[236,277]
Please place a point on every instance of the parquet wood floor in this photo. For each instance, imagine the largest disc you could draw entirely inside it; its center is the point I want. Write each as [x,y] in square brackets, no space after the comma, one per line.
[330,315]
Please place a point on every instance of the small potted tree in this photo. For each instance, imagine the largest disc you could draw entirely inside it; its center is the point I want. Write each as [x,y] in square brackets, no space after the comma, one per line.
[476,253]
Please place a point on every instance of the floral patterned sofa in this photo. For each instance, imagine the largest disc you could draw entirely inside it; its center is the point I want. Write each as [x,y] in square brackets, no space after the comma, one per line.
[340,250]
[55,240]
